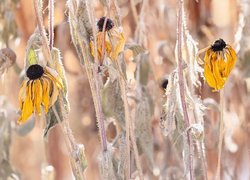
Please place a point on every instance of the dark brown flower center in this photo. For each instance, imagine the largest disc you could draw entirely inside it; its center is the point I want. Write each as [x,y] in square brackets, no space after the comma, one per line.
[218,45]
[35,71]
[109,24]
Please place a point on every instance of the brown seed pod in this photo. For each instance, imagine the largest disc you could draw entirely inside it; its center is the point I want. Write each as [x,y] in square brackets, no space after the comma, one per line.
[7,59]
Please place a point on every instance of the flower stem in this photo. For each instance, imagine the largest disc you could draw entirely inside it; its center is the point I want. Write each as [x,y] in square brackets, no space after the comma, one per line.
[41,29]
[51,24]
[221,134]
[181,82]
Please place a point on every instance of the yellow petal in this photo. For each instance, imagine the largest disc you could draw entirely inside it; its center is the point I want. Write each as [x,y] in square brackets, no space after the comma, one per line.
[27,107]
[220,81]
[209,76]
[208,56]
[22,92]
[37,93]
[54,77]
[46,91]
[230,60]
[118,46]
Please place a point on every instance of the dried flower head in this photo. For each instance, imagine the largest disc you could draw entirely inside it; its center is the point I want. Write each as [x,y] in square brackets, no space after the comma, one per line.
[41,87]
[112,39]
[219,60]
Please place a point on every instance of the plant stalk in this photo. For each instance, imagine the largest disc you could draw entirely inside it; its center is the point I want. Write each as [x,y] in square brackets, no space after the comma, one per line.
[51,24]
[218,171]
[181,83]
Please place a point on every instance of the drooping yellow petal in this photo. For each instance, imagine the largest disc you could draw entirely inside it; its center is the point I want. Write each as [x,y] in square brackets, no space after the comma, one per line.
[37,93]
[209,76]
[220,81]
[46,94]
[99,44]
[118,42]
[54,93]
[22,92]
[230,60]
[54,77]
[27,107]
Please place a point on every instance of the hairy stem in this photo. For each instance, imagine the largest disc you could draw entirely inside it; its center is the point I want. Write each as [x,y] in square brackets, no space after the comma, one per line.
[221,134]
[181,83]
[97,82]
[51,23]
[70,144]
[39,19]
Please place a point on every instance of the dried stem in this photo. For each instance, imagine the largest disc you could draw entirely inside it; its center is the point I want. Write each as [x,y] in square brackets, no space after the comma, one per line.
[97,82]
[41,29]
[51,23]
[221,134]
[67,132]
[70,144]
[123,88]
[181,83]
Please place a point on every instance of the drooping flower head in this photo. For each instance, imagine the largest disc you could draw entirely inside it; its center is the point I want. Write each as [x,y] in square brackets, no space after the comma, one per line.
[219,61]
[39,89]
[110,42]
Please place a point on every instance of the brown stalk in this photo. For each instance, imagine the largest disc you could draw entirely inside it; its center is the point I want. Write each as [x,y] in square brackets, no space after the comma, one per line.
[67,132]
[181,83]
[97,83]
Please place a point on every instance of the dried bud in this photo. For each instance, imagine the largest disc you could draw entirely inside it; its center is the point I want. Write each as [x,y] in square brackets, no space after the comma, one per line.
[7,59]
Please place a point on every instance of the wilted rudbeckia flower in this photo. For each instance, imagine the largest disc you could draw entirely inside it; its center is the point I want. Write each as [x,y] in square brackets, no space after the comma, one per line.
[219,60]
[114,40]
[40,88]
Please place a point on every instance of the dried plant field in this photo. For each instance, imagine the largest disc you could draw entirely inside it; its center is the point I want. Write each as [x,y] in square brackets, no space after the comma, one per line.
[124,89]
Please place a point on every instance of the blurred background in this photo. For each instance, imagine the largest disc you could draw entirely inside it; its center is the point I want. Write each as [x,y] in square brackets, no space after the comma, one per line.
[207,20]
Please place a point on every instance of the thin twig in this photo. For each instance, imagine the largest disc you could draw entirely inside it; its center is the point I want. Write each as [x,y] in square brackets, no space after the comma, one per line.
[221,134]
[181,83]
[51,24]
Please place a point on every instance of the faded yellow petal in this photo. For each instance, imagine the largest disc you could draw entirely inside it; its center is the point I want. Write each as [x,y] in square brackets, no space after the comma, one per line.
[27,107]
[22,92]
[208,56]
[230,60]
[54,93]
[46,91]
[118,42]
[57,80]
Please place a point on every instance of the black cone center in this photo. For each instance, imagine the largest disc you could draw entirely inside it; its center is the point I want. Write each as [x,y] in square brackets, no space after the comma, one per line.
[35,71]
[109,24]
[219,45]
